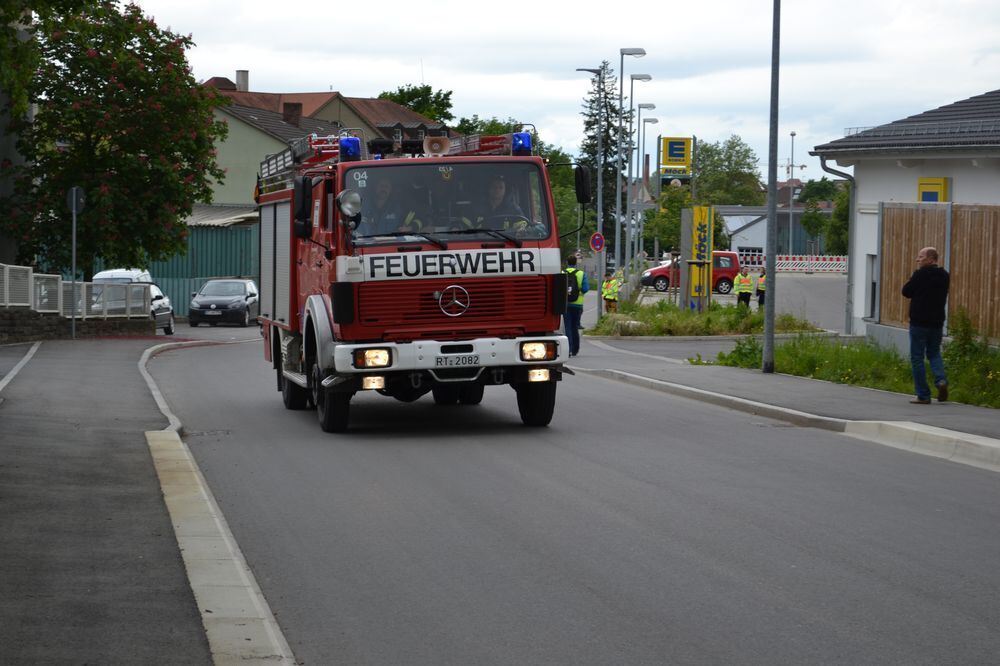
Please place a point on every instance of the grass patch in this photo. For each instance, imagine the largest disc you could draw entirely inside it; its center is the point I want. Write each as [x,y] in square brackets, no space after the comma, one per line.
[666,319]
[973,366]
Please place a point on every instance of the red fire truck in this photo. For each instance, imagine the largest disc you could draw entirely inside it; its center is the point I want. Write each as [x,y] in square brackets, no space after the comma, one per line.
[408,268]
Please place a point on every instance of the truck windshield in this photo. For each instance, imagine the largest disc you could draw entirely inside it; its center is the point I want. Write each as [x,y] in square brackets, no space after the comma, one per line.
[450,199]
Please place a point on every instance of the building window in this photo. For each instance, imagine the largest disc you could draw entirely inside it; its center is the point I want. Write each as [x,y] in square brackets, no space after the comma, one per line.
[397,135]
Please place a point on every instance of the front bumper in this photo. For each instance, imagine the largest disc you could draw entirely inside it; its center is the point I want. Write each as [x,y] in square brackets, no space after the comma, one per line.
[227,315]
[434,356]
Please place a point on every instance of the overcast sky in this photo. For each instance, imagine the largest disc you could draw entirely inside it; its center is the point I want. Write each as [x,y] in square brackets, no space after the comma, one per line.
[843,64]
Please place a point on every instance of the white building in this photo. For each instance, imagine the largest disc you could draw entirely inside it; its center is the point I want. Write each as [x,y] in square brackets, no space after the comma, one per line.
[951,153]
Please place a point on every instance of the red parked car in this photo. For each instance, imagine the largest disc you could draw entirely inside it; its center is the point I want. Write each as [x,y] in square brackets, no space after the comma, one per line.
[725,266]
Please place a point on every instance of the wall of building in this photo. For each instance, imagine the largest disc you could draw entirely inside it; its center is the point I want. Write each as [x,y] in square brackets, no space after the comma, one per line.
[886,180]
[240,155]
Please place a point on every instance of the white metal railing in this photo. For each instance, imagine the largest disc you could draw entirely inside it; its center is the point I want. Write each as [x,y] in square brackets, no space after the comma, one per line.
[20,286]
[797,263]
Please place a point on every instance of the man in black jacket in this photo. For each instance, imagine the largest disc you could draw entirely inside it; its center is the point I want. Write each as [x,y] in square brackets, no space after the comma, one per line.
[927,290]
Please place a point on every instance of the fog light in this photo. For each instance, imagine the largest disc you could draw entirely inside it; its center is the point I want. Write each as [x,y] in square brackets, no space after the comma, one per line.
[371,358]
[373,382]
[538,375]
[543,350]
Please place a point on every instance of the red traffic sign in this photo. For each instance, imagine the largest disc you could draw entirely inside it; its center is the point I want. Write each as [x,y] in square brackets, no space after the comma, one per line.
[597,242]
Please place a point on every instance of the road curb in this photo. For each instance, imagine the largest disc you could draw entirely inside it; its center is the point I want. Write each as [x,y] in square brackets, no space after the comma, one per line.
[238,622]
[958,447]
[237,619]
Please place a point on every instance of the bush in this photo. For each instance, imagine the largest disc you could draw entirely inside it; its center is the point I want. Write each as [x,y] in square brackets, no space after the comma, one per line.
[973,366]
[665,318]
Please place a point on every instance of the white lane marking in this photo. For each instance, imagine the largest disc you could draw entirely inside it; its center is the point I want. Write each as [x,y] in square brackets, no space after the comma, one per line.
[20,364]
[607,347]
[238,621]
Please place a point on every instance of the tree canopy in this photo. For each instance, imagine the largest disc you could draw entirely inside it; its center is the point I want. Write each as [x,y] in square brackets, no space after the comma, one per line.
[434,104]
[726,174]
[120,115]
[600,110]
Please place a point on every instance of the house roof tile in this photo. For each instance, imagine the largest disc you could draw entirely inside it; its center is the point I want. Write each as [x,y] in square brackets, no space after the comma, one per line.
[273,123]
[969,124]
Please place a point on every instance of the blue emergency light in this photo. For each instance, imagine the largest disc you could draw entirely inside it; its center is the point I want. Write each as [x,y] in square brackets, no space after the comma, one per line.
[520,143]
[350,149]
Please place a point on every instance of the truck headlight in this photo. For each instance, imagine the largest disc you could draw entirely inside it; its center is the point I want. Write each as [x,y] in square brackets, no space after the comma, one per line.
[542,350]
[372,358]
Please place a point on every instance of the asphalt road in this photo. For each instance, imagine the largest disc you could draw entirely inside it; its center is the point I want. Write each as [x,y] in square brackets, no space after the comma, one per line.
[638,528]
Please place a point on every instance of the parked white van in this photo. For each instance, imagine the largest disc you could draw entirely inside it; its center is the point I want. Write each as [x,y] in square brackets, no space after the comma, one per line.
[161,310]
[122,276]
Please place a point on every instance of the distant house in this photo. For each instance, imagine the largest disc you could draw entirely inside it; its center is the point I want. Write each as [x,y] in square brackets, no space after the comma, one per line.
[376,118]
[930,164]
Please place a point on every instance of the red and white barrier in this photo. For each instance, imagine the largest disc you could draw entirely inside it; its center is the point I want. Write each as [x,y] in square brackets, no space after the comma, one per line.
[799,263]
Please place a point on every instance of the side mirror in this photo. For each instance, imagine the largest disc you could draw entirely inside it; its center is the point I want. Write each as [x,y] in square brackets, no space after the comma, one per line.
[302,228]
[302,198]
[582,175]
[193,294]
[158,297]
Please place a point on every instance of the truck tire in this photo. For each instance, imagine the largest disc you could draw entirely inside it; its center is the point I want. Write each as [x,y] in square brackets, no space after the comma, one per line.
[333,409]
[471,394]
[445,394]
[536,401]
[293,395]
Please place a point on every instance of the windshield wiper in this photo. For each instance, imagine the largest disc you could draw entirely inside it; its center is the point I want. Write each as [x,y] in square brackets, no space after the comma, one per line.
[396,234]
[492,232]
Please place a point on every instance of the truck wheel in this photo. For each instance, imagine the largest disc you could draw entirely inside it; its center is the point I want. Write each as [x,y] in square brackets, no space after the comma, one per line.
[536,402]
[471,394]
[333,409]
[446,394]
[724,286]
[661,283]
[293,395]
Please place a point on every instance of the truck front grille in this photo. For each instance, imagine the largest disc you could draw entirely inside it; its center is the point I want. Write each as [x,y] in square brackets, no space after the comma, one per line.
[415,303]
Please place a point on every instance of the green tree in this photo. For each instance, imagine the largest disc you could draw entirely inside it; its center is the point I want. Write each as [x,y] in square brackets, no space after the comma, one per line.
[600,109]
[491,125]
[812,193]
[726,174]
[664,225]
[432,104]
[18,48]
[837,229]
[120,115]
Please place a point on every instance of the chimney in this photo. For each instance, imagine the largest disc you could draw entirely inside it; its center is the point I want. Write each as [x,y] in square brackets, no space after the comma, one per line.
[243,80]
[291,113]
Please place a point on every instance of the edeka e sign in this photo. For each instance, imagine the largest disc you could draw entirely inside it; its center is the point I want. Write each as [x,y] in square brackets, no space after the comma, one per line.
[676,152]
[701,251]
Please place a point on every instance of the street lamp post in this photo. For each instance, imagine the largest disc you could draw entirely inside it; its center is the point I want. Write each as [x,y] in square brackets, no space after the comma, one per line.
[628,195]
[637,53]
[642,173]
[600,178]
[791,194]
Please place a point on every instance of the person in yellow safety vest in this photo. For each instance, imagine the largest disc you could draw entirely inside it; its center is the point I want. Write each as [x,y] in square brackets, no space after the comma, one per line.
[574,309]
[609,291]
[761,288]
[743,286]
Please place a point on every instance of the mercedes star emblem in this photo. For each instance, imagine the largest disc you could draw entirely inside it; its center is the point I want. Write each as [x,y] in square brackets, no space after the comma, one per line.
[454,301]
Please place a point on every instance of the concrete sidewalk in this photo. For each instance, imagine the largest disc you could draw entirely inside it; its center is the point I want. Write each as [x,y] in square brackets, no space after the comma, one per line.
[888,418]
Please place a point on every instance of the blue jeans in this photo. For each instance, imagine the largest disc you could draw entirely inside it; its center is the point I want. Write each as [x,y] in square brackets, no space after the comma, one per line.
[571,322]
[926,341]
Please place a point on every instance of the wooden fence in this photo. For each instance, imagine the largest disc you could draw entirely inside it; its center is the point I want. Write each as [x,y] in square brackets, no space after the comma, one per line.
[968,238]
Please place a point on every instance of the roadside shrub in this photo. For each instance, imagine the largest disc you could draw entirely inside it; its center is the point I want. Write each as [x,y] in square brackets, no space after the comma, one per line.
[666,319]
